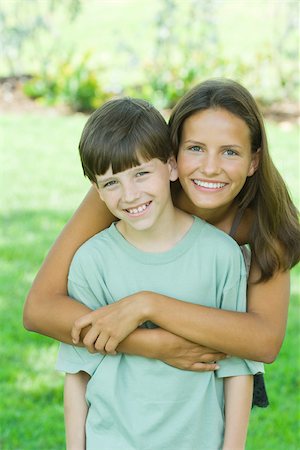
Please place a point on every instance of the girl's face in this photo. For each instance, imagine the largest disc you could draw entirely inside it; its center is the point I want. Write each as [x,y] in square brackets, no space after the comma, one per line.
[214,158]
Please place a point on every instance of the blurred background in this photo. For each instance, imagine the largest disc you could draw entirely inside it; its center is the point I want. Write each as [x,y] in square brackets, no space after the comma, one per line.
[59,60]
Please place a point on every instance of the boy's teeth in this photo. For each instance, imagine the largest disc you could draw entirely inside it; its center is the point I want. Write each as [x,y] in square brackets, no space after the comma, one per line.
[138,210]
[209,185]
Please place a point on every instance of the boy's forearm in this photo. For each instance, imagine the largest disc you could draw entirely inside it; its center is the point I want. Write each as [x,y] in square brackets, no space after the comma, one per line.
[238,399]
[76,410]
[142,342]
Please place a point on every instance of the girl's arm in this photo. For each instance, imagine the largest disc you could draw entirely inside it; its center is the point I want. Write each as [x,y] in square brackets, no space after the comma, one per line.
[49,311]
[238,393]
[256,335]
[75,409]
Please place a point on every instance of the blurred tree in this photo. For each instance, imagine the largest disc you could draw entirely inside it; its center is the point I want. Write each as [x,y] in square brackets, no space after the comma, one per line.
[286,54]
[21,22]
[188,49]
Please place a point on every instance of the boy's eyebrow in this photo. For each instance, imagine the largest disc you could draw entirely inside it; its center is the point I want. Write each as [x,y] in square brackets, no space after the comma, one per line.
[103,179]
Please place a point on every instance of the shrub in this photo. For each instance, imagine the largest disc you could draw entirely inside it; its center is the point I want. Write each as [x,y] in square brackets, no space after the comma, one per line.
[73,83]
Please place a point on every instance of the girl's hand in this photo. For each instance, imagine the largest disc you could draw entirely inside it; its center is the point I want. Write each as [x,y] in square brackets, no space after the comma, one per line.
[109,324]
[186,355]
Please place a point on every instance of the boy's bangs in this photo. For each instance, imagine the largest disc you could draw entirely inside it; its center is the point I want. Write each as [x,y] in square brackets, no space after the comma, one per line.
[123,155]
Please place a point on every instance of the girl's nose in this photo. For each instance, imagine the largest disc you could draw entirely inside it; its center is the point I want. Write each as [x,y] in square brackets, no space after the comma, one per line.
[210,165]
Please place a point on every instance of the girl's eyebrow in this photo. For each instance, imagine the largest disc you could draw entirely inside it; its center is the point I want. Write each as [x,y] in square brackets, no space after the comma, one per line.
[193,142]
[231,145]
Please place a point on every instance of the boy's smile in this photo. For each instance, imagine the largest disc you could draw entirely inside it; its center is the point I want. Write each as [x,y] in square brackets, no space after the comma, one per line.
[140,196]
[138,210]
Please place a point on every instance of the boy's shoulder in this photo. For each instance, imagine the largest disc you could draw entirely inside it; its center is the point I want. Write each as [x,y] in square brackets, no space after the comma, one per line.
[211,234]
[95,247]
[221,248]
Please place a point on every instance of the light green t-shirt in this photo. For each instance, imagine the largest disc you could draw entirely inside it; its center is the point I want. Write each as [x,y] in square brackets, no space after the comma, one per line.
[136,403]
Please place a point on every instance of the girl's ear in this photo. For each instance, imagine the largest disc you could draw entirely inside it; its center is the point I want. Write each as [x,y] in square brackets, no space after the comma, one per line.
[172,164]
[254,162]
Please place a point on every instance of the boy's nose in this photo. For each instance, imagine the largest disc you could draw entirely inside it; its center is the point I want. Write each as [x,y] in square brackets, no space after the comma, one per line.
[130,193]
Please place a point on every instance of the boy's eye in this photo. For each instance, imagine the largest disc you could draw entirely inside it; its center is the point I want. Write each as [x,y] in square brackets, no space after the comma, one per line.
[110,183]
[140,174]
[230,152]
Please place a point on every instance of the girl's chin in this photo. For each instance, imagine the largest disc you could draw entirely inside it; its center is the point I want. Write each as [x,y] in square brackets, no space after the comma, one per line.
[207,202]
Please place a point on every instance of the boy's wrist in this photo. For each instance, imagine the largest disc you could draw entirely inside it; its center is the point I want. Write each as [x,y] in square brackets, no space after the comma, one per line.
[145,305]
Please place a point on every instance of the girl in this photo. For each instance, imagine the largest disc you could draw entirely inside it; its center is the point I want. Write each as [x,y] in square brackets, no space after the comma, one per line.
[226,178]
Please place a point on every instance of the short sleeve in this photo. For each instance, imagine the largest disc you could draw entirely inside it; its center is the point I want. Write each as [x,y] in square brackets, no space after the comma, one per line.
[234,299]
[86,285]
[233,367]
[73,359]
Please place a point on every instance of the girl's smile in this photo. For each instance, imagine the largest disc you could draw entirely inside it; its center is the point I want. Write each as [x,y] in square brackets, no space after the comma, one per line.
[209,185]
[214,158]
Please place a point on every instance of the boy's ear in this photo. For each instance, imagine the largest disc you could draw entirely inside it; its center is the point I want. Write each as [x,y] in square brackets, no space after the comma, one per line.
[254,162]
[172,163]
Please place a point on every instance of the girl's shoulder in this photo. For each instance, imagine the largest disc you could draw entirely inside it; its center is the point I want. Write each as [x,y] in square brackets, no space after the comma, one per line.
[243,229]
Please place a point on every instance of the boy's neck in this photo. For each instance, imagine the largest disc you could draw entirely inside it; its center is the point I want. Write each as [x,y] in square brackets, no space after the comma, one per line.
[163,236]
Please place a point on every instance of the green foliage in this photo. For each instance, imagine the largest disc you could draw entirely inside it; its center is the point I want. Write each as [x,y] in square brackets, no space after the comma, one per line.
[157,52]
[42,184]
[20,26]
[73,83]
[188,50]
[178,62]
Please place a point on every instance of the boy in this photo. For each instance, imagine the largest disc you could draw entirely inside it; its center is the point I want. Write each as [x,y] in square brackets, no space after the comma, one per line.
[137,403]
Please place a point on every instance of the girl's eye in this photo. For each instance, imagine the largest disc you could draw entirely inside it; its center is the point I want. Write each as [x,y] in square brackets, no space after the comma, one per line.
[230,152]
[196,148]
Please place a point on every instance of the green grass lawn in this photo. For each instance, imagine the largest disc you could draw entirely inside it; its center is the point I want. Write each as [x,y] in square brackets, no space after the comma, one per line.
[41,183]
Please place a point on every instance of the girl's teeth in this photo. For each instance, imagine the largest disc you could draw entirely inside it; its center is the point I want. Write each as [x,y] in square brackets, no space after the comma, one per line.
[209,185]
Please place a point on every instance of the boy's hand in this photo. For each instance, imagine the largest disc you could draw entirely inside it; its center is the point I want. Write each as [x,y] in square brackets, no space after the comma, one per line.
[110,325]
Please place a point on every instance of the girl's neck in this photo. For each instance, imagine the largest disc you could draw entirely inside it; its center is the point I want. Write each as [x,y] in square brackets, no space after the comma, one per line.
[221,218]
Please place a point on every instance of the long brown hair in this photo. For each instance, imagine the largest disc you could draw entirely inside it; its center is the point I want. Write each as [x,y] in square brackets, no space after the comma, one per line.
[275,232]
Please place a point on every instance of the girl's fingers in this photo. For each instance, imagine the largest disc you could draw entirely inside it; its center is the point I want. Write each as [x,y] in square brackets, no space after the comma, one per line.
[91,338]
[100,342]
[111,346]
[209,357]
[204,367]
[78,325]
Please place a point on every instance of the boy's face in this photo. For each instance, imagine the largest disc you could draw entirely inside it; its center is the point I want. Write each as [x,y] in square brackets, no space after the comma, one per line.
[139,196]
